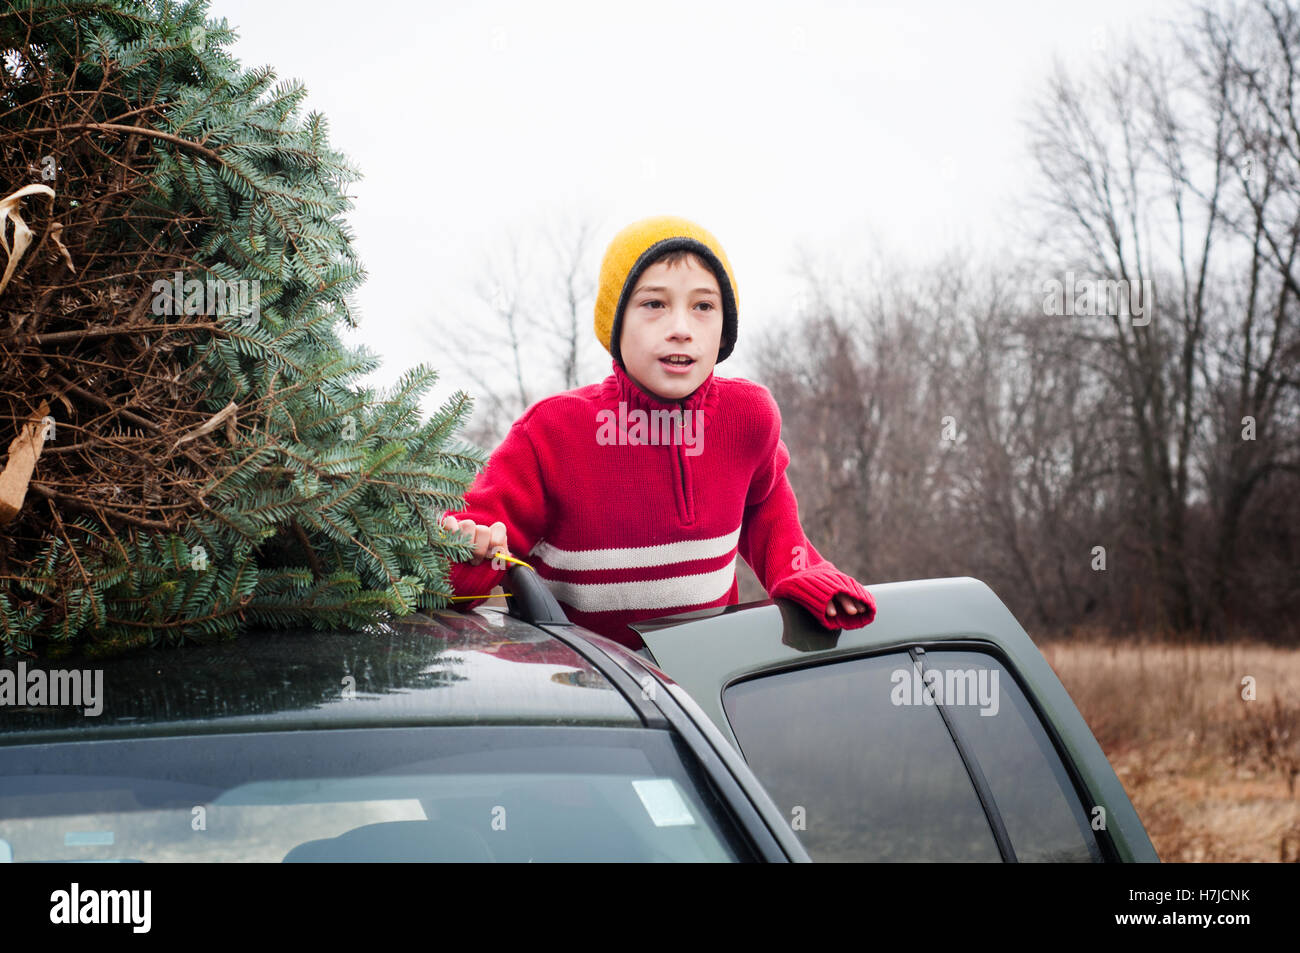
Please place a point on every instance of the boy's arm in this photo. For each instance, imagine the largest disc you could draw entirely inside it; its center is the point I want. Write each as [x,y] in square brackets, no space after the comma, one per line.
[782,557]
[509,490]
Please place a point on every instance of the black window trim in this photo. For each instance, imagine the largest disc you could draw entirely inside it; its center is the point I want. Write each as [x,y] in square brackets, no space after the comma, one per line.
[978,781]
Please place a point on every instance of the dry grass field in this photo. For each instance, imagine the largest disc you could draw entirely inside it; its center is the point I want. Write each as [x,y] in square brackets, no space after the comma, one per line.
[1212,775]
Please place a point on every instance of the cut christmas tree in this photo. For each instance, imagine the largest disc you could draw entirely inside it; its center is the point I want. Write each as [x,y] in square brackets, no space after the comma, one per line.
[188,451]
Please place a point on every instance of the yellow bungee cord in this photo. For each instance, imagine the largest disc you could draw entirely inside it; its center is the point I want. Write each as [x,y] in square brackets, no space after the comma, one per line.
[507,558]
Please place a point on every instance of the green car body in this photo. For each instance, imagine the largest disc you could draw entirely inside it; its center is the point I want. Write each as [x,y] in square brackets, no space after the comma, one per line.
[461,712]
[707,652]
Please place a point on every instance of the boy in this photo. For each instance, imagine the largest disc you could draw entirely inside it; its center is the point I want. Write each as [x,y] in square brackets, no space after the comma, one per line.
[633,497]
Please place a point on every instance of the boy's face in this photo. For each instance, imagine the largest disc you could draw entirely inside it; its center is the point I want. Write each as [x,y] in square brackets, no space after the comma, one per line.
[673,310]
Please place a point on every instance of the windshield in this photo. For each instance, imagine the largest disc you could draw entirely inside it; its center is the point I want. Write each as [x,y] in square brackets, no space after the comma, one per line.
[469,793]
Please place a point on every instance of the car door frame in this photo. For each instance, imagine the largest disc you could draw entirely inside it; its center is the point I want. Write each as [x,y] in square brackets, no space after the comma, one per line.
[706,652]
[663,705]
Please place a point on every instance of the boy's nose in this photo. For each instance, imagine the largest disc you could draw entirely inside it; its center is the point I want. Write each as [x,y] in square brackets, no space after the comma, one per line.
[680,327]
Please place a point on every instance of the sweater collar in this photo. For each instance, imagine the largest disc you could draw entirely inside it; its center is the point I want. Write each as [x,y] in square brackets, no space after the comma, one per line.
[620,387]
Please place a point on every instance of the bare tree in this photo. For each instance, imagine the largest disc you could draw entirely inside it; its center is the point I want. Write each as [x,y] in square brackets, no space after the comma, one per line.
[532,340]
[1099,466]
[1247,57]
[570,323]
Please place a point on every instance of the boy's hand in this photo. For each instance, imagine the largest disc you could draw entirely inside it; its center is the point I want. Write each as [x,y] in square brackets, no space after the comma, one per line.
[484,538]
[848,603]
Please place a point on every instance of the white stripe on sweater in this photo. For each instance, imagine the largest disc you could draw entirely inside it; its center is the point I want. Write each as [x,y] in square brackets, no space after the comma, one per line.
[635,556]
[676,592]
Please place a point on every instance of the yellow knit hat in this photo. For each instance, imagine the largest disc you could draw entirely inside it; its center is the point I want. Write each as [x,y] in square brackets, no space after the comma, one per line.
[635,249]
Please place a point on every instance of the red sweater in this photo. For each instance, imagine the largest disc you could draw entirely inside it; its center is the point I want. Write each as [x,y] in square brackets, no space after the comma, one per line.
[625,521]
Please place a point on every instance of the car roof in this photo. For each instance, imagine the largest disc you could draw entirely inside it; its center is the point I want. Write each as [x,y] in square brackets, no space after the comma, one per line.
[438,667]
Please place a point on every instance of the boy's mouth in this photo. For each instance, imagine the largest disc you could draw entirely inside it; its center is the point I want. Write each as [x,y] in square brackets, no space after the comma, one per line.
[677,363]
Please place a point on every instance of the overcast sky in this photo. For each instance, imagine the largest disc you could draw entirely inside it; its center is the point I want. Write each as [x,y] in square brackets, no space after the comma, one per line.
[830,126]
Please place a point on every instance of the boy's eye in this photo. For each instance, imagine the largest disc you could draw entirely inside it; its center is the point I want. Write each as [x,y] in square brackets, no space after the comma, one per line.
[656,301]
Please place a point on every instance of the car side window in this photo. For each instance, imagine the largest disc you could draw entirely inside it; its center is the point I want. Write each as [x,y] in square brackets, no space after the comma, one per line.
[859,777]
[1043,815]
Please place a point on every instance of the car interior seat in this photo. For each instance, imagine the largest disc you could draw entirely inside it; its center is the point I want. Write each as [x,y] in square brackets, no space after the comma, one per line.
[396,841]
